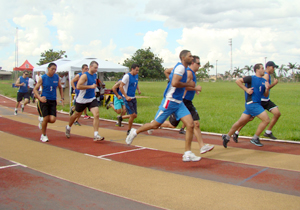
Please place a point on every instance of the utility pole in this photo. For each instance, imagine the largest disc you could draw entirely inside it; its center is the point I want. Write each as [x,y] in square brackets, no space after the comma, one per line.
[16,49]
[265,60]
[230,44]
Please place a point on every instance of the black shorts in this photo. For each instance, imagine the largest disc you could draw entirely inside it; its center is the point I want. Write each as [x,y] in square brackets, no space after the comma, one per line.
[268,105]
[81,107]
[48,108]
[189,105]
[20,96]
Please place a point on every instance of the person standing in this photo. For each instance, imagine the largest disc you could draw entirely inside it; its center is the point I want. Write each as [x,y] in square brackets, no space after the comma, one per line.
[172,103]
[47,100]
[128,87]
[31,84]
[86,99]
[266,104]
[255,87]
[22,83]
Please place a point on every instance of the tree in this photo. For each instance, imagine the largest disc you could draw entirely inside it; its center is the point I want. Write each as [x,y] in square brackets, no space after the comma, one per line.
[280,70]
[150,65]
[237,72]
[51,55]
[292,67]
[202,73]
[249,69]
[207,66]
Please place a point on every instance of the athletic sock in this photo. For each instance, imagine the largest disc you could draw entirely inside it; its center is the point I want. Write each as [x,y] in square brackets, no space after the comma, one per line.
[96,133]
[68,127]
[268,132]
[237,132]
[255,137]
[187,152]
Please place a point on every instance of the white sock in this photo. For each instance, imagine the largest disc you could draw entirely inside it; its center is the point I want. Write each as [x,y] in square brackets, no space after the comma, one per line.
[68,127]
[41,119]
[237,132]
[16,109]
[187,152]
[268,131]
[96,133]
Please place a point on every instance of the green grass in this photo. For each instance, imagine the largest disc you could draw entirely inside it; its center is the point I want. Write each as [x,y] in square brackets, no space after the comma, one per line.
[219,105]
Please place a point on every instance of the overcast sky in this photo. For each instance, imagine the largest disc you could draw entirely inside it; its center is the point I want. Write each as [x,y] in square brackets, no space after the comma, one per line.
[114,29]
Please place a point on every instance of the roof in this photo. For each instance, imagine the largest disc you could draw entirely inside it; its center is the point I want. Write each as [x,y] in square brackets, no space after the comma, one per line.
[26,66]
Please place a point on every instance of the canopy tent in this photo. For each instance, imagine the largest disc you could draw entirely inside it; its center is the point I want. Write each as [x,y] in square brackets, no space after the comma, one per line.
[26,66]
[59,63]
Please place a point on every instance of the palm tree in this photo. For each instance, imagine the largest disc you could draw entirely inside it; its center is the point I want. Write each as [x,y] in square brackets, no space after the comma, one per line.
[292,67]
[248,68]
[207,66]
[237,71]
[280,70]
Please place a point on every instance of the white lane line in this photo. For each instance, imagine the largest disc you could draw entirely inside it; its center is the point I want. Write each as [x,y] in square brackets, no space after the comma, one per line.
[116,153]
[14,165]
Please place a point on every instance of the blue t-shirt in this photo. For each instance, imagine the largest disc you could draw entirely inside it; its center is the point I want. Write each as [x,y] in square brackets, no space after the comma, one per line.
[264,98]
[24,88]
[49,86]
[172,93]
[191,93]
[75,84]
[258,84]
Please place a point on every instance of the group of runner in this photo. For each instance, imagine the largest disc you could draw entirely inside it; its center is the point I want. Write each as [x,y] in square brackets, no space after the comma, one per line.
[176,104]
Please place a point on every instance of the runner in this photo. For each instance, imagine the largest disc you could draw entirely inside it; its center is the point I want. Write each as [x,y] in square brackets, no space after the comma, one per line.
[47,100]
[22,83]
[87,99]
[128,87]
[172,103]
[255,87]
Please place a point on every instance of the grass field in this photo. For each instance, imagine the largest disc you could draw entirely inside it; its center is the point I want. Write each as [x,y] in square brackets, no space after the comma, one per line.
[219,105]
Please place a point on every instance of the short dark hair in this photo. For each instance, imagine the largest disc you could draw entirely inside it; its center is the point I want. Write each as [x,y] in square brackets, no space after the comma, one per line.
[94,62]
[195,57]
[133,66]
[52,64]
[257,66]
[183,53]
[84,65]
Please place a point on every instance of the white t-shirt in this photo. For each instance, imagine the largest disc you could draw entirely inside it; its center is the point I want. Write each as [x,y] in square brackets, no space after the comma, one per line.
[31,83]
[63,81]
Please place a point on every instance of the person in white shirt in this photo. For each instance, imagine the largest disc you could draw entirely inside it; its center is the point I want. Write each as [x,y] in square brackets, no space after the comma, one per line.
[31,84]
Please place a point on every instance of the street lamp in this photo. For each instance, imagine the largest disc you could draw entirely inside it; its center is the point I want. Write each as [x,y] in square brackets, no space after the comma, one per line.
[230,44]
[265,60]
[216,70]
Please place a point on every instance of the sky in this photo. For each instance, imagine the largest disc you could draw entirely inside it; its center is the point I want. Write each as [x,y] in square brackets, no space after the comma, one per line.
[261,30]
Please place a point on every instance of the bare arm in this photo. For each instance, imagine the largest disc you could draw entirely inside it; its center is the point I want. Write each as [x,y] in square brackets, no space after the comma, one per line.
[115,87]
[18,83]
[198,88]
[266,77]
[81,81]
[138,89]
[123,91]
[167,72]
[61,92]
[240,83]
[75,79]
[36,91]
[176,82]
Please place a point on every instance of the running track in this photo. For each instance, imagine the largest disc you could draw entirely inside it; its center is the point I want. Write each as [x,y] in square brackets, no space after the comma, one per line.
[78,173]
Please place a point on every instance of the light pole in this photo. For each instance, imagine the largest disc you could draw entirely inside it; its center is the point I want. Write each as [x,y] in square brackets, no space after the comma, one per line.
[265,60]
[216,70]
[230,44]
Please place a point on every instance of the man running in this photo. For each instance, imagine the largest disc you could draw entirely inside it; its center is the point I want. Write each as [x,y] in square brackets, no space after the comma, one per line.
[255,87]
[128,87]
[266,104]
[87,99]
[47,100]
[22,83]
[172,103]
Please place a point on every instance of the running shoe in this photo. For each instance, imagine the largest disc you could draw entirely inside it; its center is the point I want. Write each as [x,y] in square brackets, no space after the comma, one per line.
[270,136]
[44,138]
[190,157]
[98,138]
[77,123]
[235,137]
[86,117]
[206,148]
[68,132]
[108,105]
[225,140]
[120,121]
[182,131]
[256,142]
[16,112]
[150,131]
[131,136]
[22,107]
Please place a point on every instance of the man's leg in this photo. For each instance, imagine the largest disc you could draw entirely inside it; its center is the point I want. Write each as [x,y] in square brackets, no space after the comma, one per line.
[276,114]
[265,120]
[131,119]
[189,124]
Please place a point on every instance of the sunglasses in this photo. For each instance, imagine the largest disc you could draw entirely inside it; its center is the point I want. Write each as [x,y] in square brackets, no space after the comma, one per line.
[198,63]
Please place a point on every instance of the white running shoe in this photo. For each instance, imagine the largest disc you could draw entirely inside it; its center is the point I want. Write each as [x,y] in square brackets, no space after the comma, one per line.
[22,107]
[206,148]
[190,157]
[98,138]
[44,138]
[131,136]
[150,131]
[16,112]
[68,132]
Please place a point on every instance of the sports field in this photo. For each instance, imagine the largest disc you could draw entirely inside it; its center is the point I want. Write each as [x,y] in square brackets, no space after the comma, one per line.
[219,104]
